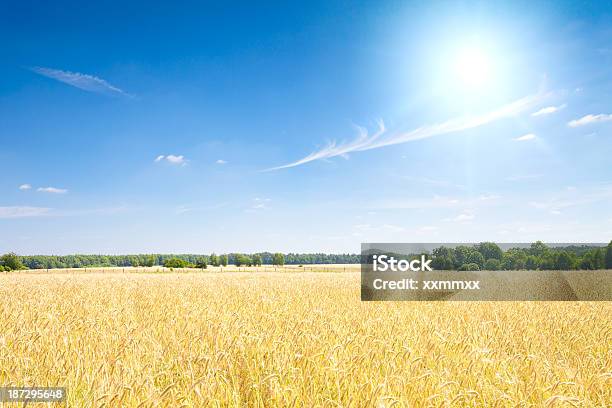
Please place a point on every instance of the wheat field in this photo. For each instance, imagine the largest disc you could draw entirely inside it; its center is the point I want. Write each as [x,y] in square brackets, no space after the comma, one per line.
[293,339]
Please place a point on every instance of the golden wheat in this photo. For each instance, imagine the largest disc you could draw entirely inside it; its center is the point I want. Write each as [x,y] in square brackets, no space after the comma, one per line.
[293,339]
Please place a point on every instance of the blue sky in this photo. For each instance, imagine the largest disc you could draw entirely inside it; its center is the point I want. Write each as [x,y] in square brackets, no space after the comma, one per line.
[132,127]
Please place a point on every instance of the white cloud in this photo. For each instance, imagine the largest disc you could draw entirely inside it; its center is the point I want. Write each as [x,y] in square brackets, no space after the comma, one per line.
[393,228]
[589,119]
[22,212]
[176,159]
[82,81]
[524,138]
[464,217]
[416,203]
[548,110]
[434,182]
[52,190]
[489,197]
[259,204]
[361,229]
[572,198]
[172,159]
[25,187]
[382,137]
[220,161]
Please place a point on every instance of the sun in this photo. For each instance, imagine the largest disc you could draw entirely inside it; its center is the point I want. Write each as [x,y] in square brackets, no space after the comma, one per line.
[473,69]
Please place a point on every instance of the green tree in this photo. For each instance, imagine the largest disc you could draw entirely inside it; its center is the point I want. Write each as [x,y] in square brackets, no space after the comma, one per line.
[588,260]
[257,260]
[214,259]
[475,257]
[514,259]
[492,264]
[134,261]
[490,250]
[538,249]
[278,259]
[461,255]
[531,263]
[563,261]
[149,261]
[547,261]
[175,263]
[243,260]
[469,267]
[223,260]
[600,258]
[608,259]
[11,262]
[201,263]
[443,258]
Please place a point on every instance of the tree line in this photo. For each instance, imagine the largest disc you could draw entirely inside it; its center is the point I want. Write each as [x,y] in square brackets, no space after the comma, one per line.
[483,256]
[489,256]
[14,261]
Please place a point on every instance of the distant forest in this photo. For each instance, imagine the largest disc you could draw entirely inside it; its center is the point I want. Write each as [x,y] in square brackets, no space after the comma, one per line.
[267,258]
[483,256]
[489,256]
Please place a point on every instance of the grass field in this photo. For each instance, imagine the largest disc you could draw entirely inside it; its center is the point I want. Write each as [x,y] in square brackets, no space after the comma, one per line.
[293,339]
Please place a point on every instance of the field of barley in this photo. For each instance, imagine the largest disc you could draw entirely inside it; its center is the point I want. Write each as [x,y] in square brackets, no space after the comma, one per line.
[293,339]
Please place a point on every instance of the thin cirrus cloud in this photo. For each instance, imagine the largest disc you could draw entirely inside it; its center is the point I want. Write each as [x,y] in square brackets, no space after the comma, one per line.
[178,160]
[525,138]
[52,190]
[548,110]
[85,82]
[383,137]
[221,161]
[24,187]
[23,212]
[589,119]
[463,217]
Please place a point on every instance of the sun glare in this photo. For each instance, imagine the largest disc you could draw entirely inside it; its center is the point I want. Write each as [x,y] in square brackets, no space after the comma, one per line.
[473,68]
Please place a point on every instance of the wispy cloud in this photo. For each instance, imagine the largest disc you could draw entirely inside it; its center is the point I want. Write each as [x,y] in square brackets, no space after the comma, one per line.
[24,187]
[172,159]
[23,212]
[548,110]
[220,161]
[183,209]
[463,217]
[571,197]
[258,204]
[85,82]
[361,229]
[434,182]
[489,197]
[523,177]
[524,138]
[414,203]
[383,137]
[589,119]
[52,190]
